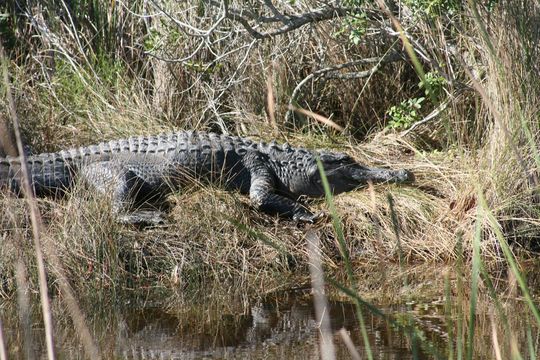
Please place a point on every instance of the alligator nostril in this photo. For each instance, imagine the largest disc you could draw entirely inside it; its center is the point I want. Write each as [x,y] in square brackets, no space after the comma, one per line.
[404,176]
[409,176]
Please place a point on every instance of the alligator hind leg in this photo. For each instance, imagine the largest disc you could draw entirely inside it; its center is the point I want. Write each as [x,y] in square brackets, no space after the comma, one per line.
[131,195]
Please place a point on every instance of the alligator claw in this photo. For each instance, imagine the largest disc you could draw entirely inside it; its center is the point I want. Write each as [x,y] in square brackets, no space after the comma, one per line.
[308,217]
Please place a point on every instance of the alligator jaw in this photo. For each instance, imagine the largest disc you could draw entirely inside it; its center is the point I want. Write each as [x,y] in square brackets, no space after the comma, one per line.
[362,175]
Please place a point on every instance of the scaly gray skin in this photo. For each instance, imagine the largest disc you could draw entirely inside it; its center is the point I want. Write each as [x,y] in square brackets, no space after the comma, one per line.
[141,170]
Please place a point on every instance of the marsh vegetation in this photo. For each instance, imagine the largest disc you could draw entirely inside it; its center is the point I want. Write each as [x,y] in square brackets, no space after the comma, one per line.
[445,89]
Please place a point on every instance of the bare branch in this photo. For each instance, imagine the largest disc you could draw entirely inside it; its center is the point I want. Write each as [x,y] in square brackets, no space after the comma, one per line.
[442,106]
[331,73]
[354,75]
[292,22]
[178,60]
[390,57]
[195,31]
[233,15]
[285,20]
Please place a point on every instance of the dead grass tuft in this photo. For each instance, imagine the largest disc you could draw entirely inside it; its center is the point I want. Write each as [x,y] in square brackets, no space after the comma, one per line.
[71,93]
[216,237]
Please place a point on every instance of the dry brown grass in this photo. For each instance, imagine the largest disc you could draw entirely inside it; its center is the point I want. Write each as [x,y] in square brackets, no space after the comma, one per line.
[203,243]
[74,90]
[463,150]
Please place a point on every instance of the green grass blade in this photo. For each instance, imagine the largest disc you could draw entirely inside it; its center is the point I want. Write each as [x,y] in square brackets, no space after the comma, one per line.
[475,276]
[257,235]
[410,320]
[395,225]
[336,221]
[460,297]
[425,344]
[530,342]
[509,257]
[448,318]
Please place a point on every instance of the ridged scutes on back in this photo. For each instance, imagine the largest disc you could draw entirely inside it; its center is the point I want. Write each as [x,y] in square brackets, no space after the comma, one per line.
[49,173]
[5,165]
[56,169]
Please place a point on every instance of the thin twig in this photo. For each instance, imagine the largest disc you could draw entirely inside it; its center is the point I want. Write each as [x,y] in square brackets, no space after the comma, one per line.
[24,307]
[320,301]
[349,343]
[182,60]
[327,73]
[353,75]
[35,217]
[195,31]
[322,119]
[3,351]
[442,106]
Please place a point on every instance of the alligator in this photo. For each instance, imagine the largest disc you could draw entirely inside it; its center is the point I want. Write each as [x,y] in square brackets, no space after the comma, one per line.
[141,170]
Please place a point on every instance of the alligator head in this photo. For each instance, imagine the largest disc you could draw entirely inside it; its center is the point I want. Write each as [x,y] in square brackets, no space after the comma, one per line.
[345,174]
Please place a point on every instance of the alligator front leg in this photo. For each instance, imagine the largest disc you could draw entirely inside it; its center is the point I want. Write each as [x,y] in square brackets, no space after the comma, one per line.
[263,196]
[126,189]
[272,203]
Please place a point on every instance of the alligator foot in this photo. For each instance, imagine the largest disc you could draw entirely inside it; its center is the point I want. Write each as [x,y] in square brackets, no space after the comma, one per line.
[143,218]
[308,217]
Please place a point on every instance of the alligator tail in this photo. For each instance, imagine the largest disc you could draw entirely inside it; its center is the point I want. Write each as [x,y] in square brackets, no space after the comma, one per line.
[49,174]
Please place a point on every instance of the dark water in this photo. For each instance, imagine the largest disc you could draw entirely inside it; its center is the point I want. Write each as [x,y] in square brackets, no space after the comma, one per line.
[280,327]
[275,328]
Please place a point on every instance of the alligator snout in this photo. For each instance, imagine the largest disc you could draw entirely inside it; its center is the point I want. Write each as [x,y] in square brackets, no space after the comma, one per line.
[405,176]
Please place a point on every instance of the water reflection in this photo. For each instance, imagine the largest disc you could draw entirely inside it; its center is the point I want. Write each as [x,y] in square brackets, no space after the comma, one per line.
[276,328]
